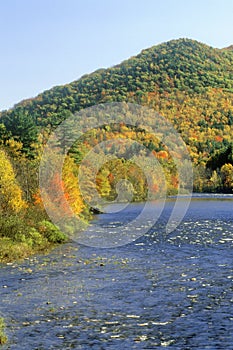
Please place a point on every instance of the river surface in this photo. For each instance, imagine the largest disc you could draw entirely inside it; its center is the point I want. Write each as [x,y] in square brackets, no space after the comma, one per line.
[161,291]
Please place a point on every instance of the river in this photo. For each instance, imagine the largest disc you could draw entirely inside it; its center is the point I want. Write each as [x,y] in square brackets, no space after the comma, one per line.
[161,291]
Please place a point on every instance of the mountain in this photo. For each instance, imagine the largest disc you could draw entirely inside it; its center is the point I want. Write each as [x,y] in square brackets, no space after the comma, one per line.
[188,82]
[178,65]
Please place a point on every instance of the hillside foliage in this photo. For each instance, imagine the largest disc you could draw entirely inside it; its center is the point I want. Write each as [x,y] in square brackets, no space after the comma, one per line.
[189,83]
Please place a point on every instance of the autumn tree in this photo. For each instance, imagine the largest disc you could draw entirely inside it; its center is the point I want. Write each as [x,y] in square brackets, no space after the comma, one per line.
[227,177]
[11,200]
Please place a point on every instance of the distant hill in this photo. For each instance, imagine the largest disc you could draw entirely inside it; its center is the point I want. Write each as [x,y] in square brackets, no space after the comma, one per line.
[190,83]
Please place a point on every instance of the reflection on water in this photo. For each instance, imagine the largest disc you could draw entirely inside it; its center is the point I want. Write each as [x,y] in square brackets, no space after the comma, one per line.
[163,290]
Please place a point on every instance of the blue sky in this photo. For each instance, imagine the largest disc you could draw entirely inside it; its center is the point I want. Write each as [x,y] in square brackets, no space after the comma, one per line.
[51,42]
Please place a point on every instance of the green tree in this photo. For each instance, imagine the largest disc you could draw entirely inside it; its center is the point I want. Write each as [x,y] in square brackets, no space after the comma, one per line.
[22,127]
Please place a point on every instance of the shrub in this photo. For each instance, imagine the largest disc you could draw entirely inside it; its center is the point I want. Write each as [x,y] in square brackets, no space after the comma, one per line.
[51,232]
[13,227]
[35,238]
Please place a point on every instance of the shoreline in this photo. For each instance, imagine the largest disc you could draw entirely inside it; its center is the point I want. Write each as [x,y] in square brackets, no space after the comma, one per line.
[13,251]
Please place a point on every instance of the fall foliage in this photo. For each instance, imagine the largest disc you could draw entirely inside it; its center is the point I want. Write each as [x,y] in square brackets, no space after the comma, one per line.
[189,83]
[11,200]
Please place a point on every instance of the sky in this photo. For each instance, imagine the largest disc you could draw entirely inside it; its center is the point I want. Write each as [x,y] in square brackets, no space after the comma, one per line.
[53,42]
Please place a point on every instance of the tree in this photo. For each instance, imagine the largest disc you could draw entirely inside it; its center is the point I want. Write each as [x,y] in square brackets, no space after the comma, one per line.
[221,157]
[227,177]
[71,187]
[215,182]
[22,127]
[11,200]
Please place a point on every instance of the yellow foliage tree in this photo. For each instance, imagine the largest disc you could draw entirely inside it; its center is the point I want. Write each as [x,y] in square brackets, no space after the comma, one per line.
[71,187]
[227,176]
[10,192]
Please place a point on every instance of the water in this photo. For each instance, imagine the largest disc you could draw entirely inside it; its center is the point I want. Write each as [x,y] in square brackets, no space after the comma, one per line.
[162,291]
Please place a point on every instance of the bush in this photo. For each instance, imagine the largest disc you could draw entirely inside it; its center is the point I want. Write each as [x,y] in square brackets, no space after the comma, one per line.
[12,227]
[21,236]
[17,229]
[35,238]
[51,232]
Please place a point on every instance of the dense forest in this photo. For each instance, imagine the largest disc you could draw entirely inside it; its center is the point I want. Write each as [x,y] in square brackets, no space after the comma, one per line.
[187,82]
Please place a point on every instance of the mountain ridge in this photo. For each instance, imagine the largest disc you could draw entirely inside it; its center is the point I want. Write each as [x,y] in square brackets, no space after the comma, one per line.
[153,55]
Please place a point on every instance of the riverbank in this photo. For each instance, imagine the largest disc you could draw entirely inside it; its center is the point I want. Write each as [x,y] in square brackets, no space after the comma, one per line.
[22,237]
[11,251]
[25,235]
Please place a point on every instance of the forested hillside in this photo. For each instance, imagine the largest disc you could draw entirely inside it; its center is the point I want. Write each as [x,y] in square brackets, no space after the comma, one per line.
[189,83]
